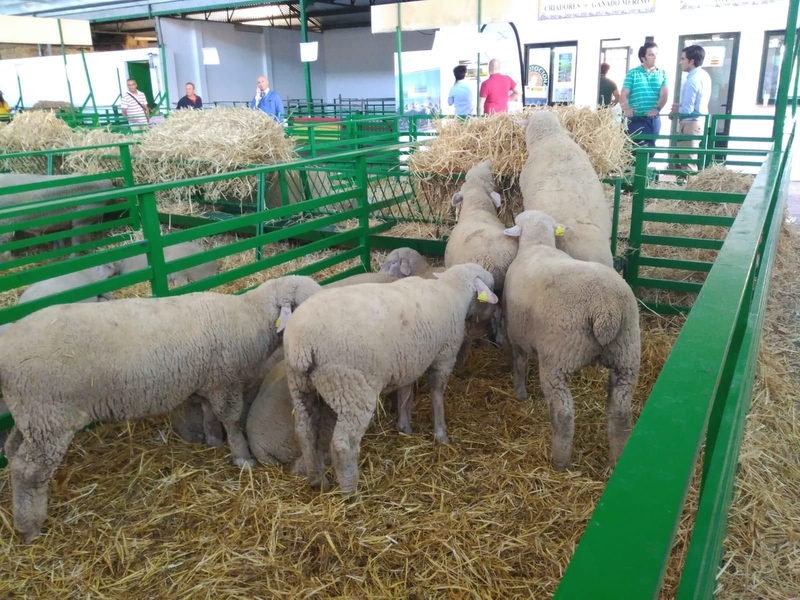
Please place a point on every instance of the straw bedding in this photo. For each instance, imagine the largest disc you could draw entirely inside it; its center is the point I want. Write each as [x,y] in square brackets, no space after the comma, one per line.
[29,132]
[136,511]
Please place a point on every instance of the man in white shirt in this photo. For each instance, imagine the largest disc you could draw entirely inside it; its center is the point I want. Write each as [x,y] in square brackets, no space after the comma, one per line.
[695,94]
[134,106]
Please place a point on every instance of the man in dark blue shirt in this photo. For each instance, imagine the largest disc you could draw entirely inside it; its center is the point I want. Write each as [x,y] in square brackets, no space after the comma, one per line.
[190,100]
[267,100]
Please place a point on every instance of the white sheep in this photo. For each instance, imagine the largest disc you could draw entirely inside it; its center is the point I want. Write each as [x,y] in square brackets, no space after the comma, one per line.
[62,283]
[558,179]
[361,278]
[69,365]
[407,262]
[570,313]
[350,344]
[171,253]
[72,189]
[478,238]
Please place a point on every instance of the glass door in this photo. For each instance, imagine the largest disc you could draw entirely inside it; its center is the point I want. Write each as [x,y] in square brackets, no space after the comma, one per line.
[550,73]
[618,59]
[722,50]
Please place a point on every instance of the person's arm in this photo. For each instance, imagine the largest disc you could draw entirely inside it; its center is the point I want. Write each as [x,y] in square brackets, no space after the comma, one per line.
[615,96]
[515,92]
[482,99]
[199,104]
[451,99]
[663,96]
[625,94]
[279,102]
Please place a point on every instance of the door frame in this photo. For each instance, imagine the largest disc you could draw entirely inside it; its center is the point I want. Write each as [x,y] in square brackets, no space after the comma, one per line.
[552,46]
[736,37]
[627,59]
[147,88]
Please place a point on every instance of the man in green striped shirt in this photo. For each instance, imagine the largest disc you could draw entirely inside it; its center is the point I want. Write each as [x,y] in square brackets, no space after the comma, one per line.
[644,94]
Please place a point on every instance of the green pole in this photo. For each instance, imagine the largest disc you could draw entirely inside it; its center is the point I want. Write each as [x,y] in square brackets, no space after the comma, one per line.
[163,53]
[20,104]
[64,56]
[478,69]
[306,65]
[89,82]
[398,37]
[786,75]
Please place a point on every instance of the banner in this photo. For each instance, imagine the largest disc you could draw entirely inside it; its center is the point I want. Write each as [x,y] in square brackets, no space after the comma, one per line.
[691,4]
[568,9]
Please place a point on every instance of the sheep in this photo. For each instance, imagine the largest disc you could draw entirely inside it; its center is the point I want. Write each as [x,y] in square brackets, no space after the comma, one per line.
[362,278]
[405,262]
[558,179]
[270,425]
[69,365]
[138,262]
[62,283]
[478,237]
[71,189]
[350,344]
[195,426]
[571,313]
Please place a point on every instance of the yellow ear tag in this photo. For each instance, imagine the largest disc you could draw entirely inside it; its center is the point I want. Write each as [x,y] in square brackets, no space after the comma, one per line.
[278,322]
[482,297]
[560,230]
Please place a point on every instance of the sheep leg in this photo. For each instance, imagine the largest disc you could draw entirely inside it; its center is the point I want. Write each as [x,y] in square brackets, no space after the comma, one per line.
[307,428]
[463,351]
[227,407]
[519,366]
[351,425]
[212,428]
[405,396]
[621,385]
[555,386]
[438,376]
[32,468]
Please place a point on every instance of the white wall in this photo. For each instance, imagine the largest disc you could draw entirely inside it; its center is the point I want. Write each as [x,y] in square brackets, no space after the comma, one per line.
[360,64]
[287,69]
[44,78]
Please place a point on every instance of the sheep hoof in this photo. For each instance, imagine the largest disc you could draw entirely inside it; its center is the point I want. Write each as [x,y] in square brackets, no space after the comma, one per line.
[521,394]
[29,536]
[442,438]
[405,428]
[560,466]
[322,484]
[244,462]
[213,440]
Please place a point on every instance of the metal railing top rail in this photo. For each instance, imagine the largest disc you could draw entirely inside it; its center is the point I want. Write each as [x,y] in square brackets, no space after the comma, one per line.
[6,156]
[627,543]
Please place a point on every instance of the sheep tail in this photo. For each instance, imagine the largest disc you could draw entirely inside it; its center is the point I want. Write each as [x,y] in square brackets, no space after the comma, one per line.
[606,323]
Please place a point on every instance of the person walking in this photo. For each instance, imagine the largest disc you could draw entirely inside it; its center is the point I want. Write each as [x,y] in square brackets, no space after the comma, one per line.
[267,100]
[644,94]
[607,92]
[134,106]
[461,94]
[190,100]
[497,91]
[695,95]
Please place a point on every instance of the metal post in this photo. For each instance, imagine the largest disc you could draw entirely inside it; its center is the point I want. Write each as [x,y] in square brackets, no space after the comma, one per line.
[162,51]
[478,68]
[19,88]
[306,65]
[363,219]
[148,211]
[261,193]
[398,37]
[786,74]
[64,56]
[89,82]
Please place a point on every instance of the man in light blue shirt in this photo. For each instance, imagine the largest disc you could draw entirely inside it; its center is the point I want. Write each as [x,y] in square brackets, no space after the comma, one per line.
[461,94]
[695,94]
[267,100]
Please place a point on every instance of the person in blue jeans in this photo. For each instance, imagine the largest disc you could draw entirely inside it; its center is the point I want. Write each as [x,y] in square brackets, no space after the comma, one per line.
[267,100]
[644,95]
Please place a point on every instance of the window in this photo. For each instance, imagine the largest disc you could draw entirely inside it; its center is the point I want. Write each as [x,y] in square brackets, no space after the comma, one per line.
[771,59]
[550,73]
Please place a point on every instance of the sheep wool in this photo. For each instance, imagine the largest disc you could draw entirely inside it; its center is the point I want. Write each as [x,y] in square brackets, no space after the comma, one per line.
[570,313]
[407,262]
[70,281]
[171,253]
[66,366]
[350,344]
[558,179]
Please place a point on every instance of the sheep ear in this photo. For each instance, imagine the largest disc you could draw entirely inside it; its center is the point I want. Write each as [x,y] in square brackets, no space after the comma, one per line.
[484,293]
[104,271]
[514,231]
[458,198]
[283,318]
[497,199]
[405,268]
[562,229]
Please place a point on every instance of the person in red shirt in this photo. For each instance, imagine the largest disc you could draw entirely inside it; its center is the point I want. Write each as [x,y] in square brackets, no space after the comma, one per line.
[497,91]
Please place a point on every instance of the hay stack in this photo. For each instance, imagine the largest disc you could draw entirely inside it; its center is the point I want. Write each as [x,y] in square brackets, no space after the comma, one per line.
[95,161]
[51,105]
[30,132]
[196,143]
[463,143]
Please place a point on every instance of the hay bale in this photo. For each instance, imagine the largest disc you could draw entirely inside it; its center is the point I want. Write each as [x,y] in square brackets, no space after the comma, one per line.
[30,132]
[90,162]
[52,105]
[718,178]
[196,143]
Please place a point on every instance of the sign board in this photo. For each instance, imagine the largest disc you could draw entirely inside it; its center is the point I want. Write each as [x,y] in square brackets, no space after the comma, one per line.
[436,14]
[691,4]
[715,56]
[568,9]
[38,30]
[210,56]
